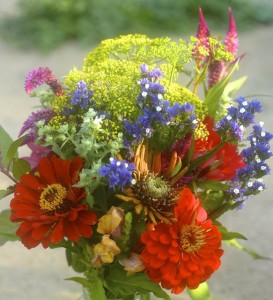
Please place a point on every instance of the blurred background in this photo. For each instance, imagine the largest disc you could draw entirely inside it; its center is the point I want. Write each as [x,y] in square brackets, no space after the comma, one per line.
[58,34]
[47,24]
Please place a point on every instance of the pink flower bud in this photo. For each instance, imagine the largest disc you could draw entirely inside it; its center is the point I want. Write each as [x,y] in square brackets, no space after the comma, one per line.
[202,33]
[231,40]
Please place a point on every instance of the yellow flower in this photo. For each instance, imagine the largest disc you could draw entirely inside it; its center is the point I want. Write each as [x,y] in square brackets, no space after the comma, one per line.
[112,222]
[154,192]
[105,251]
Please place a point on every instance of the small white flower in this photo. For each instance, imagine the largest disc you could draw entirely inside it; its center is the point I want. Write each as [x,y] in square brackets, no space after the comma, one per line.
[263,134]
[263,168]
[133,181]
[242,110]
[244,103]
[111,159]
[228,117]
[236,191]
[260,188]
[144,94]
[158,108]
[159,96]
[250,184]
[261,123]
[258,160]
[194,121]
[126,165]
[118,163]
[147,86]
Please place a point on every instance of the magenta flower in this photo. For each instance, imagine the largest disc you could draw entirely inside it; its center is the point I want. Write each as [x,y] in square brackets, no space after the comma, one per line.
[231,40]
[202,35]
[37,153]
[40,76]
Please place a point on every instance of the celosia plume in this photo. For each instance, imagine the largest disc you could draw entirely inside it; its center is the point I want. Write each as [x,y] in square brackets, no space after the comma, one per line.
[231,40]
[40,76]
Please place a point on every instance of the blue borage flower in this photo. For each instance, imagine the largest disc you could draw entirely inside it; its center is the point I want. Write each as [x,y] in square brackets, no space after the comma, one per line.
[249,178]
[154,108]
[238,118]
[118,173]
[80,98]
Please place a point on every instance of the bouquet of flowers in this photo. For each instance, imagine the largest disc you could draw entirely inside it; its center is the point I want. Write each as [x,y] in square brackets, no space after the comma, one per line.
[132,161]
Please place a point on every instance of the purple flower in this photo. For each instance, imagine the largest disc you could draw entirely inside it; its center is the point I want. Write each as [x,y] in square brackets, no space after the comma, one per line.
[229,127]
[40,76]
[37,152]
[119,174]
[29,125]
[81,96]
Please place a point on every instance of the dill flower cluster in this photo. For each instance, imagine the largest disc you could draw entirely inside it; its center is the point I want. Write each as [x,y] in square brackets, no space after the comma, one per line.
[131,164]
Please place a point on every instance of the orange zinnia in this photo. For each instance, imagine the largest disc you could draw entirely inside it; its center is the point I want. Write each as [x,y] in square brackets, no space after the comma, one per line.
[223,164]
[186,252]
[49,206]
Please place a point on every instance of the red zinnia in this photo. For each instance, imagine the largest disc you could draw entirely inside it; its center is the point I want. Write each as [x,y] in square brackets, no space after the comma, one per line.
[186,252]
[223,164]
[49,206]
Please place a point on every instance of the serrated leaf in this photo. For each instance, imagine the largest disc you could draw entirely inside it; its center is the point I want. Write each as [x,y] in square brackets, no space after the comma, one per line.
[20,167]
[94,286]
[201,293]
[122,284]
[249,251]
[81,280]
[7,228]
[13,149]
[5,142]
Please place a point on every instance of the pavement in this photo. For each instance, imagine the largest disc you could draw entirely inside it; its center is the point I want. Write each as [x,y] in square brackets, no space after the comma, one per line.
[38,274]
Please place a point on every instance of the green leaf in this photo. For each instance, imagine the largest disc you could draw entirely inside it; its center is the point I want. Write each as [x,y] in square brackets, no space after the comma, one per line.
[122,284]
[7,228]
[201,293]
[215,93]
[228,235]
[234,86]
[20,167]
[13,148]
[5,142]
[5,193]
[94,285]
[199,160]
[213,185]
[249,251]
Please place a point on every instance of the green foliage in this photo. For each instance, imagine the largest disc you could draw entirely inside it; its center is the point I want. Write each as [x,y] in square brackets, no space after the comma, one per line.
[252,253]
[46,24]
[7,228]
[122,285]
[201,293]
[5,142]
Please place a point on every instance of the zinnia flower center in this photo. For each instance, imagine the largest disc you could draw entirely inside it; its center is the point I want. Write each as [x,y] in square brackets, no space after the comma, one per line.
[52,197]
[155,192]
[192,238]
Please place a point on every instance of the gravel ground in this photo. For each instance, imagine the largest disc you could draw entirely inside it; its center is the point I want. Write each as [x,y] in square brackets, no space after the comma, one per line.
[38,273]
